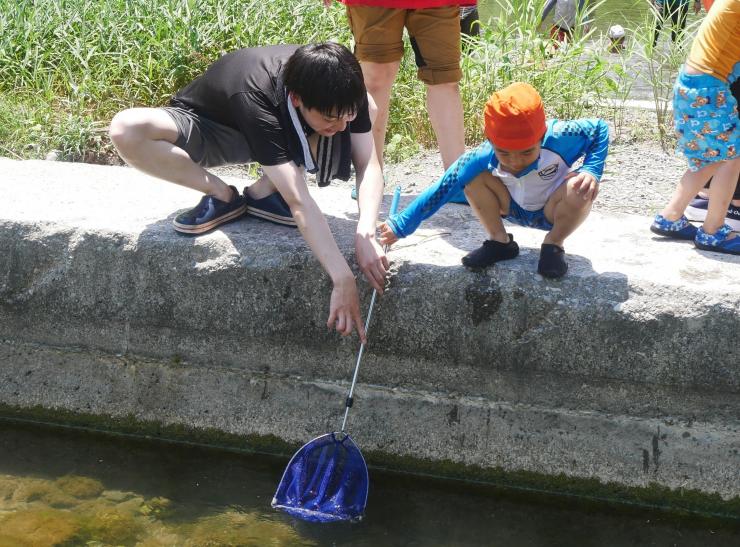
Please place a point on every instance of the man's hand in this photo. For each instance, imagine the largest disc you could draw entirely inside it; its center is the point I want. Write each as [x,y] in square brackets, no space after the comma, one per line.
[344,309]
[584,184]
[372,260]
[387,236]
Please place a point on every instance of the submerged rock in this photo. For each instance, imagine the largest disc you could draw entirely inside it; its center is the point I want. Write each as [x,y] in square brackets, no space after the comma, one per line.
[158,507]
[117,496]
[112,526]
[30,490]
[80,487]
[7,487]
[236,529]
[38,528]
[7,541]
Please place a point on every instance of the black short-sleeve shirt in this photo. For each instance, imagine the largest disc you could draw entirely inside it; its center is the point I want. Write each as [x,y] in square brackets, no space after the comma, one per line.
[244,90]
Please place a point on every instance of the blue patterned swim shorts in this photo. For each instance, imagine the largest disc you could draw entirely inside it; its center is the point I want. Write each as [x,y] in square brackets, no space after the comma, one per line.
[706,118]
[530,219]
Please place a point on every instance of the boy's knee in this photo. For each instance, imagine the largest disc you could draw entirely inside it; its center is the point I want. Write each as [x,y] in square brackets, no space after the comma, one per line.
[575,201]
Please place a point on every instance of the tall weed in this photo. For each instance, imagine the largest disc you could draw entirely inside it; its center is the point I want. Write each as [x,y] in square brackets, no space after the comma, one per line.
[661,62]
[66,66]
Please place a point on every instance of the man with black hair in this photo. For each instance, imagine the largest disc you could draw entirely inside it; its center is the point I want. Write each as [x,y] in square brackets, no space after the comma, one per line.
[292,109]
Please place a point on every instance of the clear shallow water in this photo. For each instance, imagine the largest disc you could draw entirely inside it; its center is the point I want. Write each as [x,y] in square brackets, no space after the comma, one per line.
[628,13]
[74,488]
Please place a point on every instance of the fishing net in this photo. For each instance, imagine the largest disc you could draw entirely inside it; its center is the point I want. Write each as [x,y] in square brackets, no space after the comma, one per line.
[325,481]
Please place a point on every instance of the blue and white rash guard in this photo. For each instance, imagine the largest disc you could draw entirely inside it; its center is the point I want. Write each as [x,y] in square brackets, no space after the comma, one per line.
[563,144]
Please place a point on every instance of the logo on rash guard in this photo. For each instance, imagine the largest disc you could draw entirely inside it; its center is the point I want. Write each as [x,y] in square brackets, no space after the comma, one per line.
[548,172]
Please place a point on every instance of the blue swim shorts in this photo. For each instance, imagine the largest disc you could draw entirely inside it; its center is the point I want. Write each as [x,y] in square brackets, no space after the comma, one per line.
[706,118]
[530,219]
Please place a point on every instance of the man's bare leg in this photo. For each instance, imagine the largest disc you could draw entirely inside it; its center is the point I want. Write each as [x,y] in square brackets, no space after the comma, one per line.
[445,109]
[379,78]
[144,137]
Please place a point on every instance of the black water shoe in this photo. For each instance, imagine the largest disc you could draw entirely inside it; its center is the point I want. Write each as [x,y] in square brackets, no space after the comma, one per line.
[210,213]
[552,261]
[491,252]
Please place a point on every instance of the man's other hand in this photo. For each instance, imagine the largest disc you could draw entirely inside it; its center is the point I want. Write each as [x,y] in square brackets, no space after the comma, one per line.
[372,260]
[344,309]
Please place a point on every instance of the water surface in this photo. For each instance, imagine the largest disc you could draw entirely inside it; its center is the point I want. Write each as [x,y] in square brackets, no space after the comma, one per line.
[95,490]
[628,13]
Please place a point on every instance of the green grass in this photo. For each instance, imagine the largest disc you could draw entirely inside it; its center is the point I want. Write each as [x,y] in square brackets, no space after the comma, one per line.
[67,66]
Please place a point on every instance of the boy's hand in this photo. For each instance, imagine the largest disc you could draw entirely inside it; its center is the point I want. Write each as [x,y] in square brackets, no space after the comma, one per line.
[387,235]
[584,183]
[344,309]
[372,260]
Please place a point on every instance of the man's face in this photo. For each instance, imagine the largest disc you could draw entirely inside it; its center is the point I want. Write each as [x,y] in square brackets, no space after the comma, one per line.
[325,125]
[515,161]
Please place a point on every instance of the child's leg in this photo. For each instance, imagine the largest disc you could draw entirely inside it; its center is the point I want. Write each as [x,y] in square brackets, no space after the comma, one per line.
[723,187]
[489,199]
[689,185]
[566,210]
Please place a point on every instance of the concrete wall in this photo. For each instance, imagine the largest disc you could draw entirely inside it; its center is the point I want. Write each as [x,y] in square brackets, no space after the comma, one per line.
[626,370]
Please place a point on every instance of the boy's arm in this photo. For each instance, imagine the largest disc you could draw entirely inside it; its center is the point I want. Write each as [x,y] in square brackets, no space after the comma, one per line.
[587,138]
[344,307]
[597,134]
[370,255]
[460,173]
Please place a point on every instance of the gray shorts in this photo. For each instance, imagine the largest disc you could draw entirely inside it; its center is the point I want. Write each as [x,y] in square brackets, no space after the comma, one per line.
[208,143]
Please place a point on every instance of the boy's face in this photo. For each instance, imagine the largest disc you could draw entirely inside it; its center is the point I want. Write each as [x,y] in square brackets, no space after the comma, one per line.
[515,161]
[323,124]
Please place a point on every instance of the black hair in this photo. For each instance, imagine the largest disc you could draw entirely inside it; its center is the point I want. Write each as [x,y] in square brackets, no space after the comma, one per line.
[327,78]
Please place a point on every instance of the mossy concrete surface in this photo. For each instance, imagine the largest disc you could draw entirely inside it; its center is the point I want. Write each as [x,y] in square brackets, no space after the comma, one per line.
[625,372]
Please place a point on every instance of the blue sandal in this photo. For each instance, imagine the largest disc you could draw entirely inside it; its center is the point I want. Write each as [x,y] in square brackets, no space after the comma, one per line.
[676,229]
[718,242]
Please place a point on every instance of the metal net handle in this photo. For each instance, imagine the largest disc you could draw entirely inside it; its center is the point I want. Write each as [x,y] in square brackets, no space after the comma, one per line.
[348,403]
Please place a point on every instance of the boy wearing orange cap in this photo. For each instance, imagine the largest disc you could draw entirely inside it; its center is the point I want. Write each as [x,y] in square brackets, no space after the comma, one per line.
[523,173]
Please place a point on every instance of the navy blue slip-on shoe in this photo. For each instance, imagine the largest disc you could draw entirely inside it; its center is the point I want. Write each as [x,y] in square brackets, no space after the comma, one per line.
[272,208]
[732,219]
[210,213]
[676,229]
[697,209]
[697,212]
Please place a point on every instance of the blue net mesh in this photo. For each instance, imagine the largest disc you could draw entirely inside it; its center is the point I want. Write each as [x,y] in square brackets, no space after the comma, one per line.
[325,481]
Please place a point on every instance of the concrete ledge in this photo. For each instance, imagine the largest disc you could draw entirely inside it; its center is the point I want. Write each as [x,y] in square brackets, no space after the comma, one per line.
[627,370]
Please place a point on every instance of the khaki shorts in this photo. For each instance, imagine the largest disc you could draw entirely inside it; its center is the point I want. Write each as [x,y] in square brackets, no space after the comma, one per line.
[434,33]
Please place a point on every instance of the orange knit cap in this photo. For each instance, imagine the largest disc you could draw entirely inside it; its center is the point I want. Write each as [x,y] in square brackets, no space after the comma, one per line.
[514,117]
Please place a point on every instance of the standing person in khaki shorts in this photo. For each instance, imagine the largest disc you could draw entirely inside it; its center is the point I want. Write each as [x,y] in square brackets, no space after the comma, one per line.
[434,31]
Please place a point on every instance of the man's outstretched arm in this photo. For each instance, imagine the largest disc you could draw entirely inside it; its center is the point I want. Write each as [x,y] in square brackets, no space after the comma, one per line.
[370,255]
[344,306]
